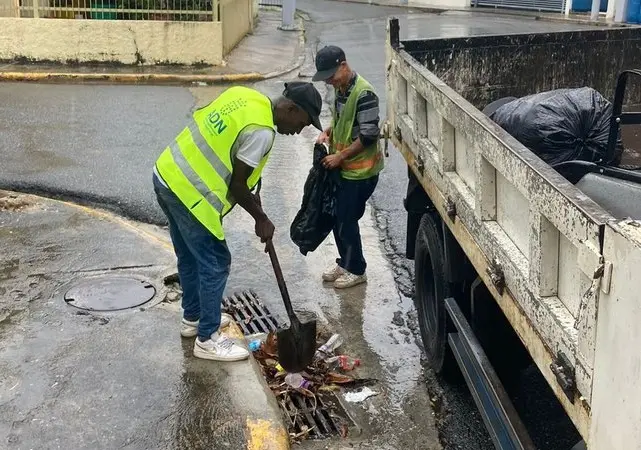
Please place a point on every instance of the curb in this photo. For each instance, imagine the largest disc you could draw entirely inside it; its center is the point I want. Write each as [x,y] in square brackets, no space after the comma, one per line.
[158,78]
[103,214]
[263,431]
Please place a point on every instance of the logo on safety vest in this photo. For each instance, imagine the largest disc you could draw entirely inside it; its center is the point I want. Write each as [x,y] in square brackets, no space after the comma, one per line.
[216,120]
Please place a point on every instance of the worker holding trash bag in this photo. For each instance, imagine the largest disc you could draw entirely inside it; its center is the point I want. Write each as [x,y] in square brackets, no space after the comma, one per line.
[353,147]
[212,165]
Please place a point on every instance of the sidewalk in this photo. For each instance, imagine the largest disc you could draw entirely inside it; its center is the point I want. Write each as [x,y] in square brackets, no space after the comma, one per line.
[266,53]
[71,378]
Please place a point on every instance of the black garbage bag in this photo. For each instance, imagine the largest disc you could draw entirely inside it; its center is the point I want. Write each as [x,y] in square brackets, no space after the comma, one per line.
[315,219]
[561,125]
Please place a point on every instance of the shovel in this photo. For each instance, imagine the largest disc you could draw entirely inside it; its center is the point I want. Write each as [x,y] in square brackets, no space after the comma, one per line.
[296,344]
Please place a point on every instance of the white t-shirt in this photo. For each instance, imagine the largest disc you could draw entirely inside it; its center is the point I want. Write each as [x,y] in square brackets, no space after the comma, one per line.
[251,145]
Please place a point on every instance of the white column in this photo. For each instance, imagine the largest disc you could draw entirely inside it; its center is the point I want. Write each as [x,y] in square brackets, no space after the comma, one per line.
[609,15]
[289,9]
[620,10]
[594,13]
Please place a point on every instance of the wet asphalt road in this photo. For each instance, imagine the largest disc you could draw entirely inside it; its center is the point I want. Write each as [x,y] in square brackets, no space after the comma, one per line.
[97,144]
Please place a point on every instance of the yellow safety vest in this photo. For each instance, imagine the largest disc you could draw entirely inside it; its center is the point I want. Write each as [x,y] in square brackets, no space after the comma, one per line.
[368,162]
[197,166]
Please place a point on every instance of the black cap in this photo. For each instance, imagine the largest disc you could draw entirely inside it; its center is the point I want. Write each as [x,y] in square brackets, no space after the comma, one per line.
[328,59]
[307,98]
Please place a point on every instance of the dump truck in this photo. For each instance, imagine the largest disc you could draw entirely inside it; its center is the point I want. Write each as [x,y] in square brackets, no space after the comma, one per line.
[517,261]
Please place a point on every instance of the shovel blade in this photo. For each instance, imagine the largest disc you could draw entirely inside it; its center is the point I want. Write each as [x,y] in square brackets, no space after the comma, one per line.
[297,346]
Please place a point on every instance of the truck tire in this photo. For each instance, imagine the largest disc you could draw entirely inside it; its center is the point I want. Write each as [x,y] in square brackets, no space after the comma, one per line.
[431,289]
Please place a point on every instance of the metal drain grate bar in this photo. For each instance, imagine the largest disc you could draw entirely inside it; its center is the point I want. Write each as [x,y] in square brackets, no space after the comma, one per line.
[251,305]
[250,313]
[313,414]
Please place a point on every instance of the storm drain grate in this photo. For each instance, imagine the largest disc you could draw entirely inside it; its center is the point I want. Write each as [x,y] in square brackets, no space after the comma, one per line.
[321,416]
[250,313]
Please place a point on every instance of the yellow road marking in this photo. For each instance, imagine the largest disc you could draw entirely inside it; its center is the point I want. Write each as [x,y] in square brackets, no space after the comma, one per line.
[266,435]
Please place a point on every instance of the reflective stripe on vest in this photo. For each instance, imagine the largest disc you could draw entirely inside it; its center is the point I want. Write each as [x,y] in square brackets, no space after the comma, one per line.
[366,163]
[191,174]
[352,164]
[197,165]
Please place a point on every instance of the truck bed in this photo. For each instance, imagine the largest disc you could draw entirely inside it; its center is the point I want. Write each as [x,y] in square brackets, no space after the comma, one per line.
[534,238]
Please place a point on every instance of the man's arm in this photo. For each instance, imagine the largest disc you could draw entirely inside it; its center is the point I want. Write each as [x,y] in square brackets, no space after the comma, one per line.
[367,120]
[241,192]
[251,147]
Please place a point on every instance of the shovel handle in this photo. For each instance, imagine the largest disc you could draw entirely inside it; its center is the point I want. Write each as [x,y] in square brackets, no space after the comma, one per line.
[281,280]
[269,246]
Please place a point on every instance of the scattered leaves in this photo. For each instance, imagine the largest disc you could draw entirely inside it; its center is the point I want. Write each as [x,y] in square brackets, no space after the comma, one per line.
[270,347]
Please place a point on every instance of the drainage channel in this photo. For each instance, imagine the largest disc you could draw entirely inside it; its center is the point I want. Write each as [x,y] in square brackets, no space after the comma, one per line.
[320,417]
[249,312]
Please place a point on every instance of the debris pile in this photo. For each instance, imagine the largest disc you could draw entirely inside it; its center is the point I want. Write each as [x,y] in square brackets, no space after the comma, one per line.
[303,395]
[12,202]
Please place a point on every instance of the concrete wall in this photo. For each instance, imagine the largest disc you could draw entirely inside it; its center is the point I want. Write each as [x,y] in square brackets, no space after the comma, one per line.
[118,41]
[8,8]
[237,20]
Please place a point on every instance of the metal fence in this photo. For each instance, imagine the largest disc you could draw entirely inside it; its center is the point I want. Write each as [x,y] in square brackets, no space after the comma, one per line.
[166,10]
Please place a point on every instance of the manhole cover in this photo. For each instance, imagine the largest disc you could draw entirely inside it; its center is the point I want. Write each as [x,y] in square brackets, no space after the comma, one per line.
[109,294]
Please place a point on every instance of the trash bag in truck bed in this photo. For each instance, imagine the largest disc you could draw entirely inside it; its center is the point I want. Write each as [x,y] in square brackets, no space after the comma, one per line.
[560,125]
[315,219]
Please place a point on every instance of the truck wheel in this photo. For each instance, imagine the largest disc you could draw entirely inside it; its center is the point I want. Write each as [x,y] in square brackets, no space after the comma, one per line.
[431,289]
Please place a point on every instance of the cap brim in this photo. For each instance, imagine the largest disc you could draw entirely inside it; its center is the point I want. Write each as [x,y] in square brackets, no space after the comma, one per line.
[323,75]
[316,123]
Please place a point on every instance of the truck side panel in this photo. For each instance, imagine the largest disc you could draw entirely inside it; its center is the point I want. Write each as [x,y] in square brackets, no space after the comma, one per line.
[616,399]
[467,164]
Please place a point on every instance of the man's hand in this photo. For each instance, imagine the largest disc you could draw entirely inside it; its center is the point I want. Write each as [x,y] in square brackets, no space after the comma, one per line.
[323,138]
[264,229]
[333,161]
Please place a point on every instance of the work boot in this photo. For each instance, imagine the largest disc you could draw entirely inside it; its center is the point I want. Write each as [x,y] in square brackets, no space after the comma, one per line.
[332,273]
[219,348]
[347,280]
[190,329]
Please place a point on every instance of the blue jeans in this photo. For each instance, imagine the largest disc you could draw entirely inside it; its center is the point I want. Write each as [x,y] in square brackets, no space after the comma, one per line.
[351,197]
[203,263]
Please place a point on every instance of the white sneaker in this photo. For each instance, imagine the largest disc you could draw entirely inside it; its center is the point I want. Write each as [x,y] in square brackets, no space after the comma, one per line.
[332,273]
[190,329]
[219,348]
[348,280]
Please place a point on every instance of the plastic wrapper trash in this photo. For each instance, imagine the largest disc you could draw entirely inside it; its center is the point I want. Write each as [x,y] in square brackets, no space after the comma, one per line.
[561,125]
[315,219]
[362,395]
